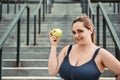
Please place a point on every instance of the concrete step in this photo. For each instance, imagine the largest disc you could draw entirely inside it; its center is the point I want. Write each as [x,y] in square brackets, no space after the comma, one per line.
[49,18]
[30,78]
[45,78]
[55,1]
[26,56]
[40,48]
[66,1]
[32,49]
[25,71]
[26,62]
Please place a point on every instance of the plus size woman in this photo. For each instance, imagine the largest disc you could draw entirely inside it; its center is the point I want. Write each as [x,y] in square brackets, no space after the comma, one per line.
[82,60]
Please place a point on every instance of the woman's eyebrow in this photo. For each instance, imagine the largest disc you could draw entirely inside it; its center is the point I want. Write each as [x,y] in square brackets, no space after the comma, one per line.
[79,29]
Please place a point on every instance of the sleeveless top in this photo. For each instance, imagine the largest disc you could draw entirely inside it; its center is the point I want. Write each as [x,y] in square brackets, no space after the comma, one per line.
[87,71]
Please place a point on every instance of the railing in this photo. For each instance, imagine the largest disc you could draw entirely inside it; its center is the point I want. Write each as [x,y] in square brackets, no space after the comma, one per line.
[116,7]
[38,12]
[106,23]
[9,30]
[90,12]
[7,2]
[15,5]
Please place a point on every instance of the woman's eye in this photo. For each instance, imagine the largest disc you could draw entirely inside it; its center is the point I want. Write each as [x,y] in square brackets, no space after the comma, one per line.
[79,31]
[73,32]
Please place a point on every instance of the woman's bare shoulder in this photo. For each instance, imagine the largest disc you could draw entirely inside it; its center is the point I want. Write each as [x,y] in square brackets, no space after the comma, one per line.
[104,51]
[65,49]
[105,54]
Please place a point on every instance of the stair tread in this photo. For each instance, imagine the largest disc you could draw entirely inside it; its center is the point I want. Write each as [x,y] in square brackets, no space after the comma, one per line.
[47,77]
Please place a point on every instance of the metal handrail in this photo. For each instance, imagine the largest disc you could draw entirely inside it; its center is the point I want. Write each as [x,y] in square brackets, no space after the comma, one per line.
[90,6]
[8,31]
[107,22]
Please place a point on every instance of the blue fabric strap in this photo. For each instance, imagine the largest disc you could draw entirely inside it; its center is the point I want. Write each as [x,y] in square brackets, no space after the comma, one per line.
[95,54]
[69,49]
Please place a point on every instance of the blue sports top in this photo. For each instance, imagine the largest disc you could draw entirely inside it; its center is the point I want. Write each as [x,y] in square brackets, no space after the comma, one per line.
[87,71]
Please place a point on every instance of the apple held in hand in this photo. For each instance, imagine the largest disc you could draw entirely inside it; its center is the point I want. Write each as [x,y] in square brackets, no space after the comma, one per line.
[57,32]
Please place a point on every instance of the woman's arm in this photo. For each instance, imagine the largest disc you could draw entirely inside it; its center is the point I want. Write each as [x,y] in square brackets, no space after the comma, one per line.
[110,62]
[55,61]
[52,62]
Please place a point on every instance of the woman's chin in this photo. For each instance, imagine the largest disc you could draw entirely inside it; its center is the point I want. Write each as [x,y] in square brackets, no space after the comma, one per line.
[80,43]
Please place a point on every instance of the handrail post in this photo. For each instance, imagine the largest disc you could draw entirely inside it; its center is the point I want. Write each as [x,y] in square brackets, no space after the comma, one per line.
[117,52]
[98,35]
[18,43]
[84,4]
[90,14]
[15,7]
[110,4]
[1,10]
[34,30]
[104,33]
[114,7]
[43,10]
[28,18]
[93,19]
[46,5]
[8,6]
[0,63]
[118,7]
[39,21]
[19,4]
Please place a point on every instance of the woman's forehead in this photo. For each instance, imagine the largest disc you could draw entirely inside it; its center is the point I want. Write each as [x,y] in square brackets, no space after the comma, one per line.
[78,25]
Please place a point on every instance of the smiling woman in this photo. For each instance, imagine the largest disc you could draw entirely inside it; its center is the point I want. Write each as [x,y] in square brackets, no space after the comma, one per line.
[82,60]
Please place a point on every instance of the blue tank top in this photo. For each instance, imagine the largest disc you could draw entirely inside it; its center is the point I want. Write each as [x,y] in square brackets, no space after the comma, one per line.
[87,71]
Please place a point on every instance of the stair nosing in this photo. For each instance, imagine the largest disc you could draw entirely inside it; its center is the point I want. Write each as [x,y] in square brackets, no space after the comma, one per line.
[24,68]
[46,77]
[26,59]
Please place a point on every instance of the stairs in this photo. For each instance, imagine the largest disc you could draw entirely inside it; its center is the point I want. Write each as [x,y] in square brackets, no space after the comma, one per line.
[34,59]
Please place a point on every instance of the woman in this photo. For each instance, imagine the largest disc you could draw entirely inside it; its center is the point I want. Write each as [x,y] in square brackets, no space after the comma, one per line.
[83,60]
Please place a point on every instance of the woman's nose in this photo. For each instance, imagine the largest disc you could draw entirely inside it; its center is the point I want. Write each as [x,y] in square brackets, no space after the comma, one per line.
[76,35]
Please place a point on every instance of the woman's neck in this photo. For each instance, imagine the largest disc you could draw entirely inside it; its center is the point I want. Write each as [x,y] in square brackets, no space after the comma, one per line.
[86,46]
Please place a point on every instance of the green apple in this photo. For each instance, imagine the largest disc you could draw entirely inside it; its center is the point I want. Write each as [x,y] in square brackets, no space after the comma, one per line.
[57,32]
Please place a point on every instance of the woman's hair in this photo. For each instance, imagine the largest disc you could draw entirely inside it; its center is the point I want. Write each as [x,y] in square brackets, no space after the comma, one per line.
[87,24]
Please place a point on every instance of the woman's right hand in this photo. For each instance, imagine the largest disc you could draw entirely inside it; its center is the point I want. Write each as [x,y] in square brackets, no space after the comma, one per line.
[53,40]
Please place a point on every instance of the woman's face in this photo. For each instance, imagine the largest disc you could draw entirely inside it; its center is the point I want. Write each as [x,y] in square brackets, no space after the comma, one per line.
[81,34]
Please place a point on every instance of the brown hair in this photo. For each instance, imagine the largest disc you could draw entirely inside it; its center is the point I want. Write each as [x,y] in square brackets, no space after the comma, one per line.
[87,24]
